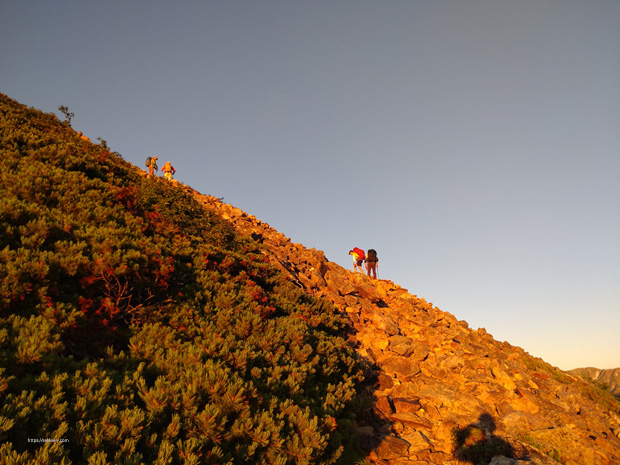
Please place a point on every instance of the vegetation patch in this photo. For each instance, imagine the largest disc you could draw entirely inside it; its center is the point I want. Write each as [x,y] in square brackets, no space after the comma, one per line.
[136,327]
[545,448]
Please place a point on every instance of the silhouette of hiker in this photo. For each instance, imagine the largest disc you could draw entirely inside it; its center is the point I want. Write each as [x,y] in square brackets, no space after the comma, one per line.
[476,443]
[358,258]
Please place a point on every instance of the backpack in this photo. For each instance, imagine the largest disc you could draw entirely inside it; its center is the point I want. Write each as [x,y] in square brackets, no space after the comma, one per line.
[372,256]
[360,253]
[148,161]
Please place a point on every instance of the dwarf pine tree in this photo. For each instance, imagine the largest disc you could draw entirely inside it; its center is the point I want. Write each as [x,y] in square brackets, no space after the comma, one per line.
[68,115]
[136,327]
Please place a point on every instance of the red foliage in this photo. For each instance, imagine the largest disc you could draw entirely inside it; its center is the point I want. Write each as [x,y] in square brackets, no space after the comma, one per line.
[541,376]
[84,304]
[127,197]
[87,281]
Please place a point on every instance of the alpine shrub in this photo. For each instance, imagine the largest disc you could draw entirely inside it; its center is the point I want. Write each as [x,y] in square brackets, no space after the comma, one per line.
[136,327]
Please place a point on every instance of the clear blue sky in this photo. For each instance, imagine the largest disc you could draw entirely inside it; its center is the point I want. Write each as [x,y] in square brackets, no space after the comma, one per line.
[474,143]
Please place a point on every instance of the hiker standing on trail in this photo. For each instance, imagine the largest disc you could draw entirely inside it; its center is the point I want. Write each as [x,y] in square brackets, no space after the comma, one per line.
[372,262]
[358,258]
[151,163]
[168,171]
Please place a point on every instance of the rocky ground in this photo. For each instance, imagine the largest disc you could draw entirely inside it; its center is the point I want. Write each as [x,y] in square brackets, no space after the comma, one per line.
[431,375]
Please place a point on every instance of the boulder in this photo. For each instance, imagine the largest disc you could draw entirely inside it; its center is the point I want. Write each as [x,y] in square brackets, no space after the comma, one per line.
[402,345]
[338,282]
[366,288]
[417,441]
[452,362]
[501,460]
[384,381]
[412,421]
[317,261]
[383,322]
[383,406]
[420,353]
[404,368]
[392,448]
[402,404]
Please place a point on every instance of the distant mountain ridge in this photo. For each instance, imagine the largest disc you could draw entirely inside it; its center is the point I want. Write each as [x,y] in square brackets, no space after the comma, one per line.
[609,377]
[145,322]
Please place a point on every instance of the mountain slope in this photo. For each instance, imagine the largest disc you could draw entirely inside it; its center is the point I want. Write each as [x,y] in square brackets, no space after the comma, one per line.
[437,383]
[144,322]
[138,327]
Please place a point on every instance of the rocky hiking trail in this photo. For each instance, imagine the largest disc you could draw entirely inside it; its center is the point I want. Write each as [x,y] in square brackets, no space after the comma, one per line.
[431,375]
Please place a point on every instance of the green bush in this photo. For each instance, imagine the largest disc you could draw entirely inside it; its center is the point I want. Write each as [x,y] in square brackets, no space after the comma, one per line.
[136,327]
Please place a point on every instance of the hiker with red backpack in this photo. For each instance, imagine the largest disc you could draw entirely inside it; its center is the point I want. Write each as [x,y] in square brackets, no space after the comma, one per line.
[372,262]
[358,258]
